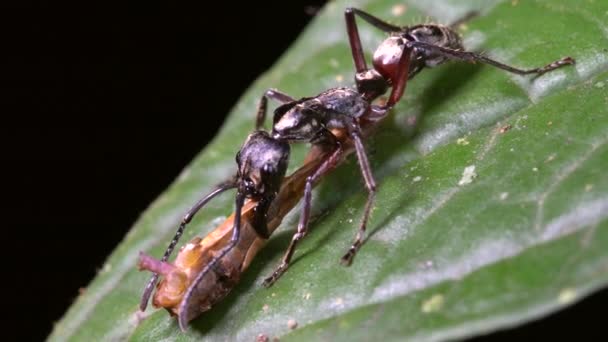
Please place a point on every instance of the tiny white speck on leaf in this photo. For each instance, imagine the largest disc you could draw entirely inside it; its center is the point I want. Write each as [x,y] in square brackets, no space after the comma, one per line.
[433,304]
[467,175]
[567,295]
[292,324]
[462,141]
[504,195]
[600,84]
[535,169]
[398,10]
[417,179]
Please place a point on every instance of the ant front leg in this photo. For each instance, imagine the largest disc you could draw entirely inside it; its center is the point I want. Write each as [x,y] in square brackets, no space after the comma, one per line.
[475,57]
[370,184]
[274,95]
[330,162]
[180,230]
[185,311]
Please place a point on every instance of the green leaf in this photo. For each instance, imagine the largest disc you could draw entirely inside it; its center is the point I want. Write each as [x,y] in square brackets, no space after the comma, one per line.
[526,237]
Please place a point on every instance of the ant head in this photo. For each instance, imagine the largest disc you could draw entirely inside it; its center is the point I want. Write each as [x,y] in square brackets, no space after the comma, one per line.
[297,121]
[386,58]
[262,163]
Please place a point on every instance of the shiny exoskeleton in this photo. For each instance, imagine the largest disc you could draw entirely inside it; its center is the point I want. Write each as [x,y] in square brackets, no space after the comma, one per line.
[262,162]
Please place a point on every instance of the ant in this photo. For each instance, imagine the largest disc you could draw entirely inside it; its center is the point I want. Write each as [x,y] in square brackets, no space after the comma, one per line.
[337,115]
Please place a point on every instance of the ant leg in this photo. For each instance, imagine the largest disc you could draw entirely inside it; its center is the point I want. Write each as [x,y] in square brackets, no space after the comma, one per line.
[400,80]
[180,230]
[376,22]
[188,311]
[330,162]
[475,57]
[370,184]
[354,40]
[464,19]
[272,94]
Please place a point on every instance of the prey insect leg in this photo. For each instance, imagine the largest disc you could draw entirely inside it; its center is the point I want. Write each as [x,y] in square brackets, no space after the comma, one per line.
[329,163]
[272,94]
[180,230]
[475,57]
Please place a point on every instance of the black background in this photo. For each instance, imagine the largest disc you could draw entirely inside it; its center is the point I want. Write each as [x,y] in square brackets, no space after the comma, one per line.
[102,108]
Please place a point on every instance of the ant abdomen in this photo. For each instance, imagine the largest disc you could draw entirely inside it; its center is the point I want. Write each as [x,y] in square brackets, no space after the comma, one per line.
[437,35]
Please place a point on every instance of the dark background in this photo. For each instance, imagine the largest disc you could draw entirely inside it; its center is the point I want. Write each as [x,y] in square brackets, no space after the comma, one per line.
[102,108]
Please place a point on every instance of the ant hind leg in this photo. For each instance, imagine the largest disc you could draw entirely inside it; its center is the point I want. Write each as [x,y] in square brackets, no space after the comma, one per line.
[473,57]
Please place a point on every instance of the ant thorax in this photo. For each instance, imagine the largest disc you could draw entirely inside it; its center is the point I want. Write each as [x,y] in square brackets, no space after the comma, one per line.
[330,109]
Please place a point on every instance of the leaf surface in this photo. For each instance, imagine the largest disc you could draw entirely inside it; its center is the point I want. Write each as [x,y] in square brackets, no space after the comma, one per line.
[447,255]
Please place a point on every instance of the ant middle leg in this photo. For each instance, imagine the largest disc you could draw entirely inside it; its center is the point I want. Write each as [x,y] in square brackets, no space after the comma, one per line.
[370,184]
[273,94]
[473,57]
[329,163]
